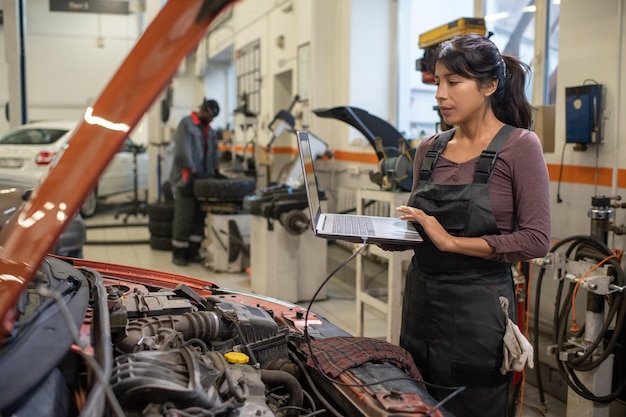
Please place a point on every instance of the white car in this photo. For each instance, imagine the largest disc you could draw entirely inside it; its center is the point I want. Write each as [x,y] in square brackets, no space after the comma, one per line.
[27,151]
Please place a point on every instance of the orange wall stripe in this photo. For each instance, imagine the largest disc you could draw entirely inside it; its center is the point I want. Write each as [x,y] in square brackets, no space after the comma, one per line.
[586,175]
[365,158]
[223,147]
[283,150]
[575,174]
[240,148]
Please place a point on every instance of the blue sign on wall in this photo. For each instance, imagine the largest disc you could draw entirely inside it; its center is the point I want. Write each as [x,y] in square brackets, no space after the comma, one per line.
[584,107]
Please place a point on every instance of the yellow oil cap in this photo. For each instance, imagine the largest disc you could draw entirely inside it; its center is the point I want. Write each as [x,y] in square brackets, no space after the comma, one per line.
[236,357]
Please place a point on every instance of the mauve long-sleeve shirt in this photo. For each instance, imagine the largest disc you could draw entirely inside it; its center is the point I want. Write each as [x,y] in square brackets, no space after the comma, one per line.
[518,190]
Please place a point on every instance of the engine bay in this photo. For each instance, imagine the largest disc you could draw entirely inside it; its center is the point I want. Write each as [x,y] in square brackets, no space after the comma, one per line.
[91,342]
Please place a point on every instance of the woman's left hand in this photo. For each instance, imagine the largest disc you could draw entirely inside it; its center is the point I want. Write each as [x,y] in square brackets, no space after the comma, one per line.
[435,231]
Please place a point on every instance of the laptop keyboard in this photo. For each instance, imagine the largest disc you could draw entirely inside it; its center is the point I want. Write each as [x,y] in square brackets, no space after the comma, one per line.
[353,225]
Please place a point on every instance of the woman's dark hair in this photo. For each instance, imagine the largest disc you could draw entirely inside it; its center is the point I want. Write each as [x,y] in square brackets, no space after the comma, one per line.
[476,57]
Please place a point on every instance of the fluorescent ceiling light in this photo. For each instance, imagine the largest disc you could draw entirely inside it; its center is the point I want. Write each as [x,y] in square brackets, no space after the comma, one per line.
[496,16]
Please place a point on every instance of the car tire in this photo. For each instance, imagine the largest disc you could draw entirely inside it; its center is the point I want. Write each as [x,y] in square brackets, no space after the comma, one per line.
[161,212]
[223,189]
[168,193]
[90,206]
[161,243]
[160,228]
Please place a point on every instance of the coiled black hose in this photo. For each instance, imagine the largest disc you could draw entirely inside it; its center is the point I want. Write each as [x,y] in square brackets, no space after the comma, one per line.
[542,397]
[617,311]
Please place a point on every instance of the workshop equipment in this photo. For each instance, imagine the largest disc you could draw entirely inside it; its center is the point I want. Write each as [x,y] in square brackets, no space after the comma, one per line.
[584,115]
[429,41]
[286,260]
[225,244]
[281,203]
[137,206]
[395,166]
[227,241]
[284,120]
[290,173]
[590,356]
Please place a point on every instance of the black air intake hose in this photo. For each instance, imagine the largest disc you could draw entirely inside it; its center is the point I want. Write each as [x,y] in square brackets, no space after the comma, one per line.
[273,378]
[205,325]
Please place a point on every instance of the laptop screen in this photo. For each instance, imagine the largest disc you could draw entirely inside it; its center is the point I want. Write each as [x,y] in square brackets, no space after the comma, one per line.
[310,180]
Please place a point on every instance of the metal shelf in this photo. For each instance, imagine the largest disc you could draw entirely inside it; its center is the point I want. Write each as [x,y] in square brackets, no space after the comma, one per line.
[389,301]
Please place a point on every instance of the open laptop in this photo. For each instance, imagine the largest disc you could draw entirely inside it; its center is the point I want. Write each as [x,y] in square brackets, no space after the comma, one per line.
[353,228]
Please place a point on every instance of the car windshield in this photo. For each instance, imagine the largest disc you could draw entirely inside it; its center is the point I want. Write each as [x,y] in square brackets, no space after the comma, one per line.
[32,137]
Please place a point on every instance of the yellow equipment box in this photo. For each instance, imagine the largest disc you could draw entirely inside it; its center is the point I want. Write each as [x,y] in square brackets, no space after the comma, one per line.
[457,27]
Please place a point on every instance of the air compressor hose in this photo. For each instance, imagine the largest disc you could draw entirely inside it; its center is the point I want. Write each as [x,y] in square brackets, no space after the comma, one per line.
[617,311]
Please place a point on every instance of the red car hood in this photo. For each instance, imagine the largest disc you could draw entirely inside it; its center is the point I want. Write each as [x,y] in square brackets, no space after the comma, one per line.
[27,238]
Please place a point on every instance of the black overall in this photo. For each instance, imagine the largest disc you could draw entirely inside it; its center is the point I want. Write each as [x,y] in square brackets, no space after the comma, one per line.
[452,322]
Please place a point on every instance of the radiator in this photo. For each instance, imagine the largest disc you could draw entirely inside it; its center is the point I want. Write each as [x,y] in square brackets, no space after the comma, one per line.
[346,199]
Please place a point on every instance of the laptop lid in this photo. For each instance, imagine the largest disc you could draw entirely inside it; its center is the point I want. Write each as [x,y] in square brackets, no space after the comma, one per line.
[334,226]
[310,179]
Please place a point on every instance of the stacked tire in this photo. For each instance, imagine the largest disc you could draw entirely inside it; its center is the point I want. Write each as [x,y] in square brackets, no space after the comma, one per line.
[225,190]
[160,217]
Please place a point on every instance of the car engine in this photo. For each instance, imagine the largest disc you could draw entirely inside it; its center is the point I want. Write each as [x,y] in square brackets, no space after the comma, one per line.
[91,343]
[219,358]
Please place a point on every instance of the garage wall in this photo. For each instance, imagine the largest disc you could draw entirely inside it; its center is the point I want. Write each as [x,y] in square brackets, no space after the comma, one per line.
[352,57]
[590,48]
[69,57]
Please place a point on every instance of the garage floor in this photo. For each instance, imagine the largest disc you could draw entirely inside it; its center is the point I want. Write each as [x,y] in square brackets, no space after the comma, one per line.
[109,239]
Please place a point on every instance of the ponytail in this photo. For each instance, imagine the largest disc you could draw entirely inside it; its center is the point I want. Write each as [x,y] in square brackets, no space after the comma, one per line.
[509,103]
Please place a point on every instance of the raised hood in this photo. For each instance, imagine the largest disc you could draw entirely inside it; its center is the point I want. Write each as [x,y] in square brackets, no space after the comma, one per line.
[27,238]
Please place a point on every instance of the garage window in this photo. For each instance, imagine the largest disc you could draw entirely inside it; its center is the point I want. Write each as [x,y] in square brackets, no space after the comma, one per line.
[248,66]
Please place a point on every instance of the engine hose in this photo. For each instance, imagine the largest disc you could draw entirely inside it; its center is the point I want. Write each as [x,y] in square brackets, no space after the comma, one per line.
[233,387]
[583,362]
[220,363]
[321,397]
[275,378]
[205,325]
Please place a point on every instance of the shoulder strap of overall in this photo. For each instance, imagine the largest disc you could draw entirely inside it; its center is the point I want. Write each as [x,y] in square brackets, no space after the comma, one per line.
[488,157]
[430,160]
